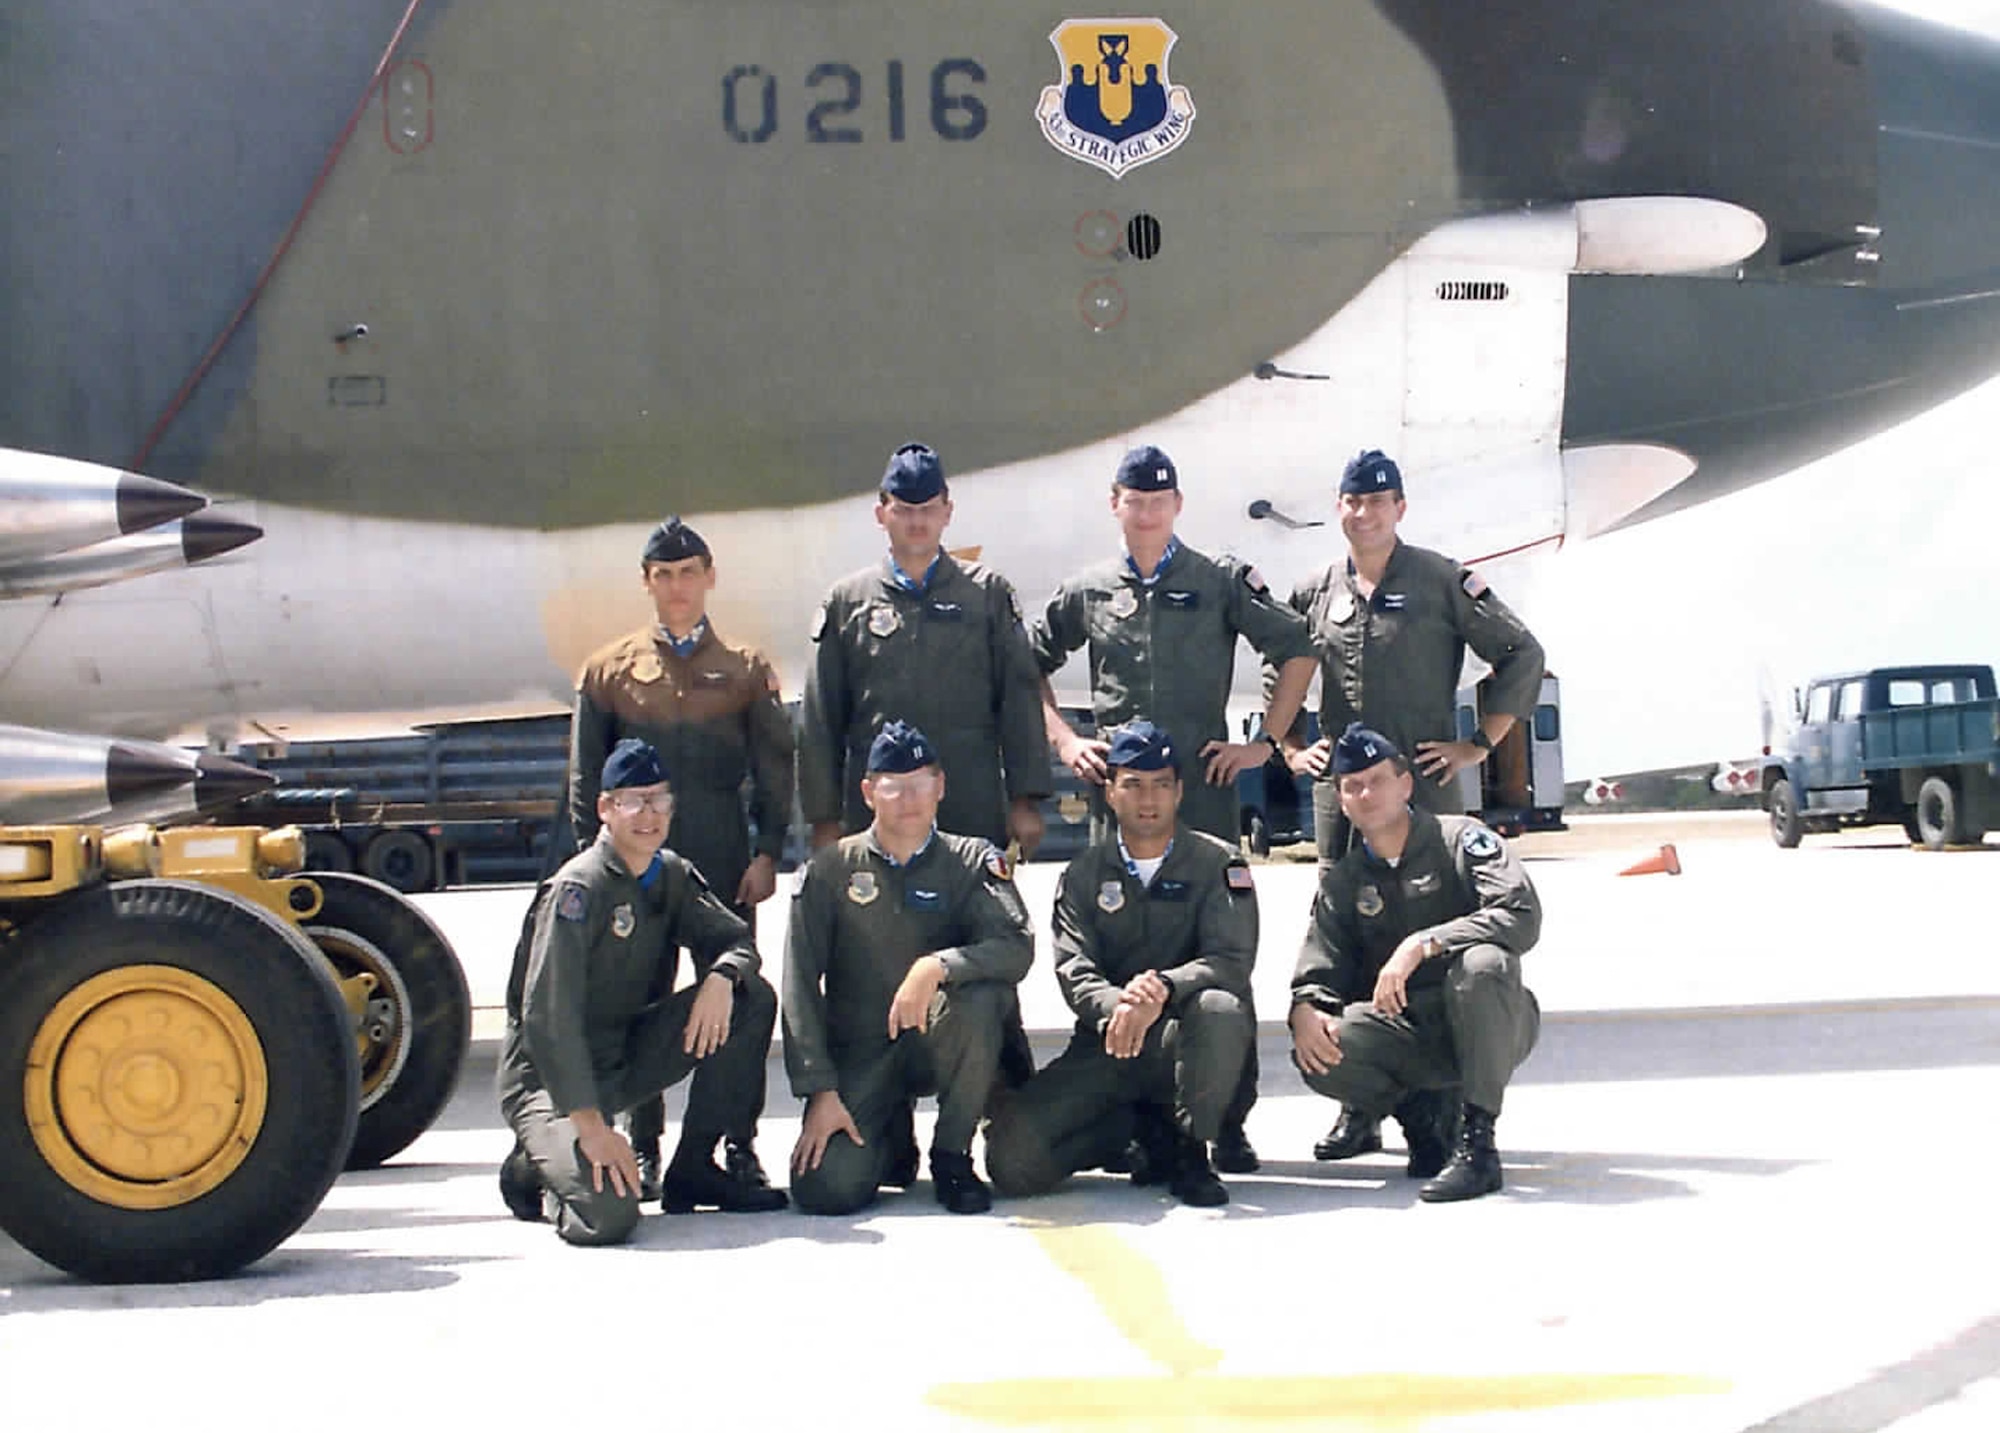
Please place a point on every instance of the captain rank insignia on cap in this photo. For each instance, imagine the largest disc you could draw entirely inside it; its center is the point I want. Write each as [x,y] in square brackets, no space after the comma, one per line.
[571,904]
[862,889]
[1111,897]
[883,621]
[1239,879]
[1481,844]
[1368,901]
[622,921]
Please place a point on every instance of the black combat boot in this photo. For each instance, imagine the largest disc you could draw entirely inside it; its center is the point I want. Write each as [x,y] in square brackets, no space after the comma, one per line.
[1151,1156]
[740,1162]
[647,1152]
[521,1186]
[1234,1154]
[1475,1164]
[692,1181]
[958,1188]
[1194,1180]
[900,1158]
[1430,1127]
[1352,1134]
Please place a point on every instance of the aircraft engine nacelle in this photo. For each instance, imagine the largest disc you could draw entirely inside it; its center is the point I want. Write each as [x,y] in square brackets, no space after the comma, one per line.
[1602,791]
[1738,778]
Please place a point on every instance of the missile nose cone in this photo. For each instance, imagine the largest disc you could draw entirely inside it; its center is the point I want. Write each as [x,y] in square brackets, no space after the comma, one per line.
[220,780]
[204,536]
[145,502]
[135,772]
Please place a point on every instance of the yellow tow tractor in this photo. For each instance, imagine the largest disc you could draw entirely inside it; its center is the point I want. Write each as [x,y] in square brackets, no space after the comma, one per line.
[201,1039]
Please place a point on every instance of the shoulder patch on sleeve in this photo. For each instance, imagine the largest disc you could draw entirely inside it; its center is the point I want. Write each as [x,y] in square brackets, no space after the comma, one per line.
[1239,878]
[572,904]
[1480,843]
[1254,580]
[818,627]
[1474,584]
[997,865]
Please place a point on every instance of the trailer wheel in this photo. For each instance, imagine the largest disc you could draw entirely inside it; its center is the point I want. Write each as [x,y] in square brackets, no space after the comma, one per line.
[1788,828]
[1938,821]
[328,852]
[1912,829]
[400,860]
[418,1020]
[187,1082]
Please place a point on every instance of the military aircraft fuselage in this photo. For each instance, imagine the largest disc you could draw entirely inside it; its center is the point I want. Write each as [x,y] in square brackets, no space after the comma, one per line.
[576,266]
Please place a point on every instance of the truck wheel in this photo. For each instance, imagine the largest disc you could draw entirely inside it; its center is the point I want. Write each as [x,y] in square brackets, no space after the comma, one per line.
[1787,826]
[186,1082]
[418,1020]
[1937,814]
[1257,832]
[327,852]
[400,860]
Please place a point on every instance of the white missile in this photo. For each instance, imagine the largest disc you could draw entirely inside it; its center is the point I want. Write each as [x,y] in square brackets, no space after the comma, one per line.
[50,504]
[50,776]
[181,542]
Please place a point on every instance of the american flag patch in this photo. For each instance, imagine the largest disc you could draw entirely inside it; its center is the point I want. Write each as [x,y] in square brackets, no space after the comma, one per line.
[1474,584]
[1239,879]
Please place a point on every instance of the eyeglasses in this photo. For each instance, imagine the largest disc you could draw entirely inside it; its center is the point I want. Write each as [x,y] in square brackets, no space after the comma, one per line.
[631,803]
[912,782]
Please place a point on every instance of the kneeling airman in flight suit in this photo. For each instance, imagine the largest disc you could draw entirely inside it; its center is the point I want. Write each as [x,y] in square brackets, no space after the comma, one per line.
[1409,980]
[1155,934]
[906,945]
[588,1034]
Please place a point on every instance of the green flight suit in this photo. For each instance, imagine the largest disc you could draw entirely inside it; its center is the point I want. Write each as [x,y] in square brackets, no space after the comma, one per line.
[1469,1021]
[717,720]
[952,660]
[1392,662]
[1196,925]
[1166,651]
[586,1028]
[859,922]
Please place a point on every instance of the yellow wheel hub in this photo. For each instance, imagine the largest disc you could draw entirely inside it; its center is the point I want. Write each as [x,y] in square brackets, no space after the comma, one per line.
[146,1087]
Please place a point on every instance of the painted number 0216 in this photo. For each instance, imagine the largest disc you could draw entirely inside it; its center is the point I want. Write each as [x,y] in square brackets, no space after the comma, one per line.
[838,108]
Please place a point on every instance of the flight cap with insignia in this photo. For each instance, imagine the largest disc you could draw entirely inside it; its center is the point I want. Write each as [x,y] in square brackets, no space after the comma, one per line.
[1371,471]
[1141,746]
[672,541]
[1359,748]
[900,747]
[632,763]
[915,474]
[1146,469]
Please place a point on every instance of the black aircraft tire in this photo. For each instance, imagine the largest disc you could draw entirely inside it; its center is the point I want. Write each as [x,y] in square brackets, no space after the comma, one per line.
[1787,827]
[1937,814]
[242,1057]
[400,860]
[419,1018]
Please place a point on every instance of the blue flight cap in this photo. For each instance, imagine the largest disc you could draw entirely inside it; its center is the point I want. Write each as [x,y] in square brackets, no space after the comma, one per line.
[900,747]
[672,541]
[1359,748]
[1372,471]
[632,763]
[1141,746]
[915,474]
[1147,469]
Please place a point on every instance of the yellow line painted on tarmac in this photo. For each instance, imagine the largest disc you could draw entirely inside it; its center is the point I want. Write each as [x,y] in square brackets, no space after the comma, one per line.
[1133,1294]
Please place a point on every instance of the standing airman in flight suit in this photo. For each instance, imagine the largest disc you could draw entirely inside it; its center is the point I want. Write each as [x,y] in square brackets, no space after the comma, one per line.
[1161,623]
[1155,934]
[713,712]
[1409,980]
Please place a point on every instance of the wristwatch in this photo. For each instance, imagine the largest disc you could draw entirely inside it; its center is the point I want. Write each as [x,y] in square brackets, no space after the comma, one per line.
[1433,947]
[1480,739]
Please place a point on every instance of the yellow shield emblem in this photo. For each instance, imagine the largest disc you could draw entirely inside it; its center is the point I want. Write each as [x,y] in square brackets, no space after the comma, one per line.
[1112,105]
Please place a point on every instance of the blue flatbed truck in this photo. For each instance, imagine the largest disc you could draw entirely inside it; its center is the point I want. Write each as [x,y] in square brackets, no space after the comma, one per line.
[1915,746]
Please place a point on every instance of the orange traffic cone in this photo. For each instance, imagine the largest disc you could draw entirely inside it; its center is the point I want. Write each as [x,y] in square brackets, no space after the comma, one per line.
[1666,860]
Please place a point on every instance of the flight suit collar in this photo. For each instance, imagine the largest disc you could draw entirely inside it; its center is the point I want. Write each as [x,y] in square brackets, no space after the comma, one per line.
[615,863]
[1131,568]
[1424,835]
[889,860]
[1389,569]
[688,648]
[897,580]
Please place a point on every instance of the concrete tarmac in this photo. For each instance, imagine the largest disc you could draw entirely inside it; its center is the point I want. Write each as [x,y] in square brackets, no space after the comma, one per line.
[1748,1187]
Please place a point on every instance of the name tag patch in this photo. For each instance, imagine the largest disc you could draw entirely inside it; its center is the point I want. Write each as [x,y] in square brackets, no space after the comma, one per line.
[1170,890]
[1185,601]
[948,611]
[1423,885]
[917,900]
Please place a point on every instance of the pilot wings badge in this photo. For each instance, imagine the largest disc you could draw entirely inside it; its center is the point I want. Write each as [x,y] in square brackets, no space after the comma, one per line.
[1113,106]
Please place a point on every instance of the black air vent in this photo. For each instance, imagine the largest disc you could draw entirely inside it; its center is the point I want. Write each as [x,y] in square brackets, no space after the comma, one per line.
[1477,291]
[1142,236]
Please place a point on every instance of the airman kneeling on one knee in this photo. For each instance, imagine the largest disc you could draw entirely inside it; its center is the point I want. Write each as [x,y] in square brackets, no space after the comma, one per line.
[1408,998]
